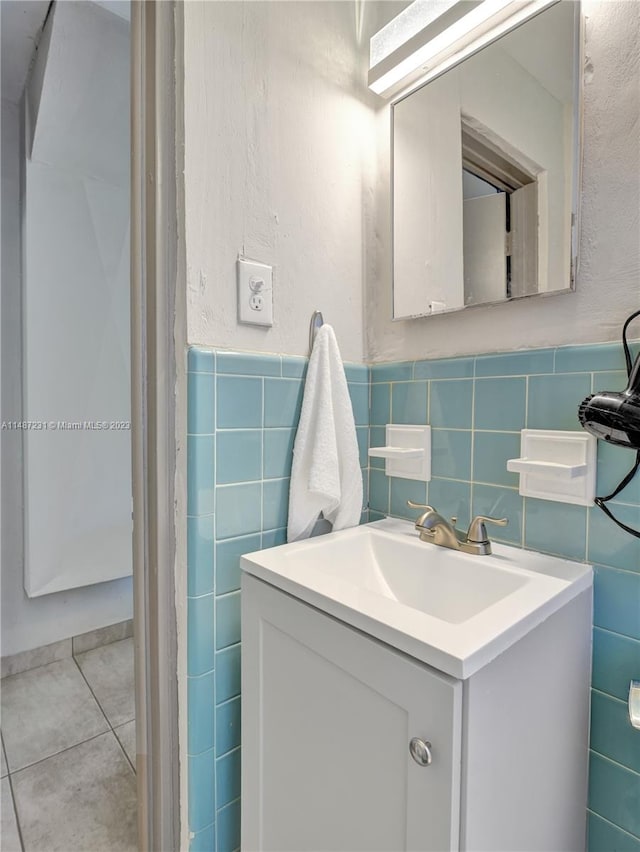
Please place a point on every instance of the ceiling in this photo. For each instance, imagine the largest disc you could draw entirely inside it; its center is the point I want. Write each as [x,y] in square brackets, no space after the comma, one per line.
[121,8]
[20,27]
[543,46]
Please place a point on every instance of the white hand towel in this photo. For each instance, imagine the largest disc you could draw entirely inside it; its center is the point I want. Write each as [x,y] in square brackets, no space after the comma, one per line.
[326,474]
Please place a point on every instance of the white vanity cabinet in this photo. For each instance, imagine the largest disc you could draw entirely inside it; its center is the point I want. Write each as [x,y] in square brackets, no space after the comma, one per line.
[329,713]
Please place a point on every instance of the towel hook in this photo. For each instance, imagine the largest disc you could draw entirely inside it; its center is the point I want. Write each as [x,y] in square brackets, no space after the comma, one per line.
[317,322]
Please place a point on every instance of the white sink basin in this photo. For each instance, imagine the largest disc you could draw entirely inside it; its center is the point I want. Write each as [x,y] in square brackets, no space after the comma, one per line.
[451,610]
[436,581]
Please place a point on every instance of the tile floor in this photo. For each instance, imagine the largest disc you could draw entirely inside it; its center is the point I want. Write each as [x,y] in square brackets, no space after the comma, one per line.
[68,754]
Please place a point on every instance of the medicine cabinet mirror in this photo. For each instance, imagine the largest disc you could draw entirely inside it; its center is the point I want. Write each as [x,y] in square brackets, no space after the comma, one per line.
[485,165]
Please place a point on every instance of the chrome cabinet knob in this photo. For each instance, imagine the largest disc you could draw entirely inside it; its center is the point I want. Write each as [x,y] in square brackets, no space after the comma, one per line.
[420,751]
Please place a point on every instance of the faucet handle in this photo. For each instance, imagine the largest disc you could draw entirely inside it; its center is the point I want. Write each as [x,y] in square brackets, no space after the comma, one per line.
[413,505]
[478,532]
[425,512]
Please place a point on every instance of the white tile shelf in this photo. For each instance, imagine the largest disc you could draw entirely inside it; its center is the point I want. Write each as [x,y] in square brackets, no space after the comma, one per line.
[557,465]
[539,468]
[407,452]
[395,453]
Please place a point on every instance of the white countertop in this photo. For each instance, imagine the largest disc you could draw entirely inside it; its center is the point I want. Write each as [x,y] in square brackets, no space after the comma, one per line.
[455,612]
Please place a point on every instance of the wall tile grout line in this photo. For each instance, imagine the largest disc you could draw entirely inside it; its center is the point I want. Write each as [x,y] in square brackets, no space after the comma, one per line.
[609,696]
[621,570]
[615,633]
[614,762]
[613,825]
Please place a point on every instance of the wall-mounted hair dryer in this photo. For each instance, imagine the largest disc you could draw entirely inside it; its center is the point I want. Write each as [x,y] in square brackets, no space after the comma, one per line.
[614,416]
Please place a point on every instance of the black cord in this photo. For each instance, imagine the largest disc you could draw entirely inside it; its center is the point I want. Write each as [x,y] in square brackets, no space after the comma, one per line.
[624,482]
[627,351]
[600,501]
[608,512]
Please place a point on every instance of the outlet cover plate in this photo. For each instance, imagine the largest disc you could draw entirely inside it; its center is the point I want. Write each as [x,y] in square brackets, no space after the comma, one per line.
[255,292]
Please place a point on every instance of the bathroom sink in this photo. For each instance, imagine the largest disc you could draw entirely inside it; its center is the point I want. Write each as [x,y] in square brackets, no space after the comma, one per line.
[438,582]
[451,610]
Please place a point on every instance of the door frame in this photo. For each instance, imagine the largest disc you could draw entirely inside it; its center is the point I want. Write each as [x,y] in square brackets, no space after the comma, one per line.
[158,393]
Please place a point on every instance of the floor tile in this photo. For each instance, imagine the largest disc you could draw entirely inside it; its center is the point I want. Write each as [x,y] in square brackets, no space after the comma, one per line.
[127,735]
[82,799]
[46,710]
[9,828]
[109,672]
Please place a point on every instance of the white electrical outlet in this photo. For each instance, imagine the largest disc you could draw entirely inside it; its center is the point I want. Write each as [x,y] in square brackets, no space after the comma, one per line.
[255,292]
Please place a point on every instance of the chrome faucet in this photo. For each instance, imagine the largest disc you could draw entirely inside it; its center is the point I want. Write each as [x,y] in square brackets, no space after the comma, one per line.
[435,529]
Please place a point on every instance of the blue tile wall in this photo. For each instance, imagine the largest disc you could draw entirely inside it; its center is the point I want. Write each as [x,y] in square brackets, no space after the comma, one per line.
[243,410]
[476,407]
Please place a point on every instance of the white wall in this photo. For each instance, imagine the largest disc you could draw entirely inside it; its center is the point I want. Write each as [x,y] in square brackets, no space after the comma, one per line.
[608,286]
[427,143]
[75,303]
[527,118]
[30,623]
[279,134]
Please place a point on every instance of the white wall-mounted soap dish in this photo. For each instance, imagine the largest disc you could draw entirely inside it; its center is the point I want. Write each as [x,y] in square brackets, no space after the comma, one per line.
[557,465]
[407,452]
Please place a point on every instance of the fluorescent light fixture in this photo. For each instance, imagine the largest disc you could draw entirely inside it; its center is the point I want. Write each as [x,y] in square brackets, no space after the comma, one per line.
[424,41]
[404,26]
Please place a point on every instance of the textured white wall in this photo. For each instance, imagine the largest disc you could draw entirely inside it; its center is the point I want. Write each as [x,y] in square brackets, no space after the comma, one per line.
[608,286]
[278,130]
[287,161]
[29,623]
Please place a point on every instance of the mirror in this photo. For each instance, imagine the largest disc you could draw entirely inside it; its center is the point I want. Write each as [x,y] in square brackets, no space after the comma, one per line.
[485,163]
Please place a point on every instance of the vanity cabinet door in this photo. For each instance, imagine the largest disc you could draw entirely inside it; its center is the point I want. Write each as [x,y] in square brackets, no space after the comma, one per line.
[327,717]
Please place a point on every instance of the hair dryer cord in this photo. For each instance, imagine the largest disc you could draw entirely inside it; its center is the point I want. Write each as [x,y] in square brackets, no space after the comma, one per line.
[600,501]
